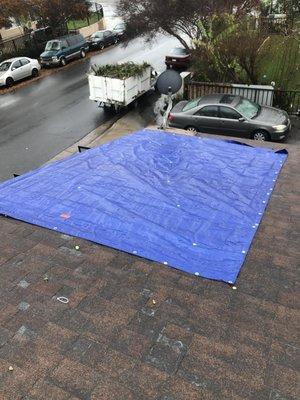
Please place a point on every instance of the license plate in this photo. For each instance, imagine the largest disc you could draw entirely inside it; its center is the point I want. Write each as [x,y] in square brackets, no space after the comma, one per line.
[174,59]
[47,63]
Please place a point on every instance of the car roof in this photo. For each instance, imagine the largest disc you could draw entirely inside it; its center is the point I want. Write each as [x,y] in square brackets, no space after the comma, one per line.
[219,98]
[64,37]
[13,59]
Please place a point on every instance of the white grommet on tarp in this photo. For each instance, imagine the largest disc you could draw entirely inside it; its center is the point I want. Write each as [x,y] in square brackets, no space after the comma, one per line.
[63,299]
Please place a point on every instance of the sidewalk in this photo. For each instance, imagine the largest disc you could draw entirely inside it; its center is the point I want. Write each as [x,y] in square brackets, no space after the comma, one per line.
[122,125]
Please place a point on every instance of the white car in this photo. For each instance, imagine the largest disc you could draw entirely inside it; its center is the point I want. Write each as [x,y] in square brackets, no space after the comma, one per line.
[14,69]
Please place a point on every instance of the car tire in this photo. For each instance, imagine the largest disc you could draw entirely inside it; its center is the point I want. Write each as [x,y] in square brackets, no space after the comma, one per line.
[116,41]
[261,136]
[101,46]
[34,72]
[9,82]
[63,61]
[82,53]
[191,129]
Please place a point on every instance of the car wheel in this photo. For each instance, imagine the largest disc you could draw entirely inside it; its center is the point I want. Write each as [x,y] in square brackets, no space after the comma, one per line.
[261,136]
[82,53]
[191,129]
[34,73]
[116,40]
[63,61]
[9,82]
[101,46]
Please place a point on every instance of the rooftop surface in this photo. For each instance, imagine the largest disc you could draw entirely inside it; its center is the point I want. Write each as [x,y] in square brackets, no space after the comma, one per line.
[137,330]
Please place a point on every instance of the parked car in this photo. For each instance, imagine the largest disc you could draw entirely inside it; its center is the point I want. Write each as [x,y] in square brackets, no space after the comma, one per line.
[59,51]
[101,39]
[179,57]
[226,114]
[119,29]
[14,69]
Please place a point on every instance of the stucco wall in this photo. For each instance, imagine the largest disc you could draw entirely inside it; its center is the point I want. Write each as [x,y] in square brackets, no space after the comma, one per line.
[88,30]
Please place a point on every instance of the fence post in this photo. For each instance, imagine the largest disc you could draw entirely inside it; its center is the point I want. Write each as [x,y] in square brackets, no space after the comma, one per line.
[15,47]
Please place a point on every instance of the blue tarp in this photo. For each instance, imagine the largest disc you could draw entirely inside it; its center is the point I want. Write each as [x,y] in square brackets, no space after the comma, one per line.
[188,202]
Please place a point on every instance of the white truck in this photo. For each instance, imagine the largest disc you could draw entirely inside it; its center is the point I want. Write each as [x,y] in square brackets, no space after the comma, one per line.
[120,91]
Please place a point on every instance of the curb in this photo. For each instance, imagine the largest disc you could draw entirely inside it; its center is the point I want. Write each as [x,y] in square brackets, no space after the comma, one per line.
[100,131]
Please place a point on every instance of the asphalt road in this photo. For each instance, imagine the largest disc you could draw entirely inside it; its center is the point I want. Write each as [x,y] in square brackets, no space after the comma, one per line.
[40,120]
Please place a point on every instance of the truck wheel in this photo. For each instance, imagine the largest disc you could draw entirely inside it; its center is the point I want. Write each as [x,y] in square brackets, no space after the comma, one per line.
[9,82]
[63,61]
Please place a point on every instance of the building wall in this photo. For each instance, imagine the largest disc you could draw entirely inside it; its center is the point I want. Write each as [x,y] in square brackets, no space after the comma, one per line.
[88,30]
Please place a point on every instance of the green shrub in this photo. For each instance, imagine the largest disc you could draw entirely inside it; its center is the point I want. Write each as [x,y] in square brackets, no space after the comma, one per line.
[119,71]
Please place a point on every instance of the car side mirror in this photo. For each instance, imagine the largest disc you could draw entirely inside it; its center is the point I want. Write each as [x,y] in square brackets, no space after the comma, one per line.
[242,119]
[13,68]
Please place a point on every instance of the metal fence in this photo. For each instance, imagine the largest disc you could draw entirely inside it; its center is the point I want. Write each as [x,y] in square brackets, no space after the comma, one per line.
[288,100]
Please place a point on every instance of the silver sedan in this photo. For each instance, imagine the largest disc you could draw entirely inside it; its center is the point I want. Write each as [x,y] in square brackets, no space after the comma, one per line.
[14,69]
[227,114]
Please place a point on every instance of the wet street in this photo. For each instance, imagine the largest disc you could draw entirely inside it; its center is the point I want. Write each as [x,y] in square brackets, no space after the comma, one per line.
[41,119]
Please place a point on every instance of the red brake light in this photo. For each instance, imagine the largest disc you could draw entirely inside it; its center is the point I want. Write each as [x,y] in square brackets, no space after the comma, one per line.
[171,117]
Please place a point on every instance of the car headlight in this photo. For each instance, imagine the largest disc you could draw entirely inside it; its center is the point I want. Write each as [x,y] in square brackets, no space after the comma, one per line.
[279,128]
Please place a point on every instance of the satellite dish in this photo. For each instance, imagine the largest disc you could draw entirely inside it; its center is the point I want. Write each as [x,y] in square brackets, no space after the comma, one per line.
[169,82]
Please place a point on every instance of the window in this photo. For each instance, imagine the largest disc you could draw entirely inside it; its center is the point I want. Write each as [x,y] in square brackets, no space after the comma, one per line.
[107,33]
[25,61]
[98,35]
[5,66]
[248,108]
[16,64]
[227,99]
[229,113]
[72,40]
[179,51]
[208,111]
[190,105]
[64,44]
[52,46]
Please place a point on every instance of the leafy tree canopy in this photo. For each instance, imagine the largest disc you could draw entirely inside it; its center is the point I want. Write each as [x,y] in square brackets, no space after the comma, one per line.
[181,19]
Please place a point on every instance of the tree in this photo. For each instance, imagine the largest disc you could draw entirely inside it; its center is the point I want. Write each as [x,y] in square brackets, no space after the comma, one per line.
[243,45]
[229,50]
[11,9]
[56,13]
[177,18]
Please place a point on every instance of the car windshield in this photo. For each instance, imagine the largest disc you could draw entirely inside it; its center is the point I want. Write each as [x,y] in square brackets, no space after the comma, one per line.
[98,35]
[190,105]
[248,108]
[119,27]
[5,66]
[179,51]
[52,46]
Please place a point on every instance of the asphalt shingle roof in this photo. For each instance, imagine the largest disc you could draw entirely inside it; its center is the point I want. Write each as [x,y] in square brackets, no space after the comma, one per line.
[134,329]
